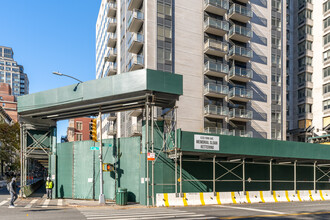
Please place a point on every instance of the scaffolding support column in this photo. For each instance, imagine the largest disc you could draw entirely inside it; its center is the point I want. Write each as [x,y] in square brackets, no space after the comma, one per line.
[147,150]
[181,195]
[101,196]
[175,152]
[152,151]
[295,177]
[243,163]
[271,176]
[214,193]
[315,176]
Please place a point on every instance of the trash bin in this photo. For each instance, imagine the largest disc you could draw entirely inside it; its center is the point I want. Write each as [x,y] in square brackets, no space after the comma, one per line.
[121,197]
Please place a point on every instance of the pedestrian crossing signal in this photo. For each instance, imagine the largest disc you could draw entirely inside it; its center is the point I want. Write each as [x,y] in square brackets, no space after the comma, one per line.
[92,131]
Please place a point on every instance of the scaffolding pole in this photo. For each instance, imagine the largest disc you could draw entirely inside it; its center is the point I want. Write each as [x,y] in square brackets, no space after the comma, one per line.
[101,196]
[295,177]
[181,195]
[271,176]
[147,150]
[243,179]
[214,193]
[175,151]
[314,176]
[152,151]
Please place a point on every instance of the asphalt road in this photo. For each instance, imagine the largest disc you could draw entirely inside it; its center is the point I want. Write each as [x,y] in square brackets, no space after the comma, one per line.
[38,207]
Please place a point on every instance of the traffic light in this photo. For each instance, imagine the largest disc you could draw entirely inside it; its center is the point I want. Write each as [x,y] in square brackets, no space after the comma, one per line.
[92,131]
[107,167]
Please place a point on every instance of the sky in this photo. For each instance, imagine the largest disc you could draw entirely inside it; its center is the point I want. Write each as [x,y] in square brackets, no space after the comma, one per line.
[51,35]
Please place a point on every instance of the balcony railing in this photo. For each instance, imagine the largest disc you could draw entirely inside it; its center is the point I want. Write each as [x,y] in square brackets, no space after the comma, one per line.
[216,26]
[111,69]
[112,39]
[112,8]
[217,89]
[240,93]
[216,6]
[240,13]
[216,130]
[215,110]
[112,54]
[135,43]
[240,74]
[240,114]
[136,62]
[242,133]
[135,21]
[112,25]
[134,4]
[240,33]
[242,54]
[215,48]
[136,130]
[216,69]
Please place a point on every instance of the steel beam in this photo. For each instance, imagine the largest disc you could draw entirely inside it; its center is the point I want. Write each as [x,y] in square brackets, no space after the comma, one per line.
[314,176]
[147,148]
[271,176]
[243,170]
[214,193]
[295,177]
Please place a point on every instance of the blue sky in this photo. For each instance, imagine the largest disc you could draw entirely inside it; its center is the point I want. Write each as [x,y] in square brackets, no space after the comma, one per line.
[51,35]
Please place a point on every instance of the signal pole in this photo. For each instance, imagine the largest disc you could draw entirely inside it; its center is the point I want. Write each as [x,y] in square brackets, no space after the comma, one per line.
[101,197]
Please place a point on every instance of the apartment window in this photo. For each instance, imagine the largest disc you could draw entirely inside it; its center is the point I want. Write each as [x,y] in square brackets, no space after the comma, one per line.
[304,30]
[304,77]
[79,125]
[276,134]
[304,108]
[276,42]
[326,55]
[326,72]
[303,93]
[79,137]
[276,78]
[326,22]
[302,3]
[276,117]
[276,5]
[326,88]
[276,22]
[304,61]
[326,104]
[303,15]
[326,6]
[276,59]
[276,97]
[303,46]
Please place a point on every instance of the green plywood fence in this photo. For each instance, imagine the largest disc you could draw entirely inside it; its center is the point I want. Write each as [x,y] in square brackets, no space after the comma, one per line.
[64,170]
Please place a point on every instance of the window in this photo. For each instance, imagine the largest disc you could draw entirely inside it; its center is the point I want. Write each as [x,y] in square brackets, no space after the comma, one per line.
[79,137]
[326,39]
[276,5]
[276,59]
[326,22]
[303,46]
[326,72]
[276,22]
[303,15]
[276,97]
[326,88]
[79,125]
[276,42]
[304,30]
[305,61]
[304,77]
[303,93]
[276,117]
[326,55]
[326,104]
[304,108]
[326,6]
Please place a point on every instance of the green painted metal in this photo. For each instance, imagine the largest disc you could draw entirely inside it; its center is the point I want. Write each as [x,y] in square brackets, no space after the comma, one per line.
[64,170]
[259,147]
[107,87]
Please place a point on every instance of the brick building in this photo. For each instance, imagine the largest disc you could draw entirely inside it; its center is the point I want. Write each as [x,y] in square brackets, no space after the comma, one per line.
[8,101]
[78,129]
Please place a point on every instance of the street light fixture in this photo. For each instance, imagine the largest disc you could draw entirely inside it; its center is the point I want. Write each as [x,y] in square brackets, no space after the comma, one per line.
[61,74]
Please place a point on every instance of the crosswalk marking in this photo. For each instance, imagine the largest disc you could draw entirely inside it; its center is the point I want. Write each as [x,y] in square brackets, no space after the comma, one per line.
[46,203]
[60,202]
[31,203]
[4,202]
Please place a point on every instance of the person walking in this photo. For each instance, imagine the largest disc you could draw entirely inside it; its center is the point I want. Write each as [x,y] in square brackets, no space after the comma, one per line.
[12,190]
[49,187]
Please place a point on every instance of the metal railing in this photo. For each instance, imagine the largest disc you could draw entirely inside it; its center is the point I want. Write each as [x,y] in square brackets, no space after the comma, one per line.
[242,133]
[240,92]
[135,37]
[218,3]
[136,59]
[242,72]
[237,29]
[112,51]
[235,8]
[242,51]
[218,45]
[215,88]
[216,67]
[240,113]
[135,14]
[215,110]
[216,130]
[216,23]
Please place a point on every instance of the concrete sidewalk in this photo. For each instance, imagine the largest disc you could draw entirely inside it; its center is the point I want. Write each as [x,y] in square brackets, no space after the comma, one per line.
[95,203]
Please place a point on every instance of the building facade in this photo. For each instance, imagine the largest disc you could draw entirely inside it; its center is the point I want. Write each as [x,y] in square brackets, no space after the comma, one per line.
[13,73]
[8,101]
[79,129]
[231,53]
[308,112]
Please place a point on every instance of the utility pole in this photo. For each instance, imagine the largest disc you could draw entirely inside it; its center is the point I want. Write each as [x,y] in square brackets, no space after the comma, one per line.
[101,197]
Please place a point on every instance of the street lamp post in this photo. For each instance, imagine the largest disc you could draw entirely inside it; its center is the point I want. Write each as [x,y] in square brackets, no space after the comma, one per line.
[61,74]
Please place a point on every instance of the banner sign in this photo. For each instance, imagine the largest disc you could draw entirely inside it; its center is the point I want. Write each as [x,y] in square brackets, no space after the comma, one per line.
[206,142]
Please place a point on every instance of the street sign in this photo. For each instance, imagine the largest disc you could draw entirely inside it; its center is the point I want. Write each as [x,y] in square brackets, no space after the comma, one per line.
[94,148]
[151,156]
[106,145]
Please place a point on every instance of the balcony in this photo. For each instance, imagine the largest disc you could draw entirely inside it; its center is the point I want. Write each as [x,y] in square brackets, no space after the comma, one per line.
[216,91]
[112,40]
[135,43]
[240,13]
[241,54]
[215,69]
[240,74]
[112,130]
[215,48]
[216,112]
[215,26]
[242,115]
[240,33]
[240,94]
[112,54]
[112,9]
[134,4]
[136,130]
[135,63]
[112,117]
[216,130]
[242,133]
[136,112]
[135,21]
[218,7]
[111,69]
[112,25]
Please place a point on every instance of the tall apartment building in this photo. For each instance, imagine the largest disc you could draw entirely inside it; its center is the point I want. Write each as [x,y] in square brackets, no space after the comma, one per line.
[8,101]
[12,73]
[231,53]
[308,65]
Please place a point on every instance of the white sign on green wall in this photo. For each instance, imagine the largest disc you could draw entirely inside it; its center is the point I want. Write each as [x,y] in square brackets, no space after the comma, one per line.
[206,142]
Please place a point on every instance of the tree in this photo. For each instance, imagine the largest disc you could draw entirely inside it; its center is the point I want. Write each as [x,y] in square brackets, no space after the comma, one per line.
[10,146]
